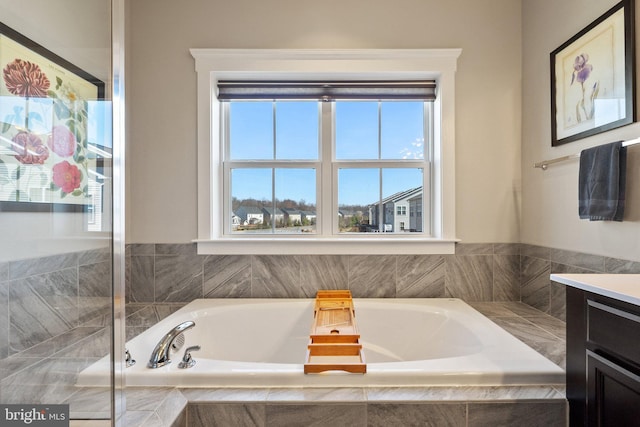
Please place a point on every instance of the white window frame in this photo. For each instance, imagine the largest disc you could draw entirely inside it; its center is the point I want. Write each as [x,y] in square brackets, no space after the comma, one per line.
[316,64]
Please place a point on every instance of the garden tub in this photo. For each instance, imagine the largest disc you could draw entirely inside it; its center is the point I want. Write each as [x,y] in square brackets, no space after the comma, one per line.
[263,343]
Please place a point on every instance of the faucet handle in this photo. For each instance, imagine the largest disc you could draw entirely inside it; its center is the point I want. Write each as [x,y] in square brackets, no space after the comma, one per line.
[128,359]
[187,361]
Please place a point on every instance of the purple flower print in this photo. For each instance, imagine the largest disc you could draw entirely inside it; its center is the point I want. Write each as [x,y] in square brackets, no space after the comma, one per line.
[585,108]
[581,69]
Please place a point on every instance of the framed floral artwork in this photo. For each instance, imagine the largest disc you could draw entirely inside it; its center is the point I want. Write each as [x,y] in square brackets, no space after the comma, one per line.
[593,77]
[47,158]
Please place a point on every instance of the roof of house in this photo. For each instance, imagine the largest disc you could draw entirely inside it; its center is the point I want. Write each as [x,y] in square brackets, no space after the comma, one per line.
[243,210]
[272,211]
[291,211]
[401,195]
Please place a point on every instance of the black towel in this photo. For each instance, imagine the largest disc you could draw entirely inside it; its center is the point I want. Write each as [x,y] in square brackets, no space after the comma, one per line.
[601,182]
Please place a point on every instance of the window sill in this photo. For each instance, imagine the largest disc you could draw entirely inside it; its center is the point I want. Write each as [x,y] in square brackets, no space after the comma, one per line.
[326,246]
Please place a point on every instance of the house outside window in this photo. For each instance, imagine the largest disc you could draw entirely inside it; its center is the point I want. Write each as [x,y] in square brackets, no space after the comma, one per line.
[219,166]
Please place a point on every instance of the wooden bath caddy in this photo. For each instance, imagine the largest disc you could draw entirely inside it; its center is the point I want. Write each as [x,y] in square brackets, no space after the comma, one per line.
[334,342]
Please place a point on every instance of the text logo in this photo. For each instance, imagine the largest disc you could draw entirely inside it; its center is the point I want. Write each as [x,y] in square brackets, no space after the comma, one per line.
[34,415]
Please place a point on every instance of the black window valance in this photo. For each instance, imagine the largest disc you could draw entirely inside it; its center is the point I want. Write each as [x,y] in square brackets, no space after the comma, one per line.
[419,90]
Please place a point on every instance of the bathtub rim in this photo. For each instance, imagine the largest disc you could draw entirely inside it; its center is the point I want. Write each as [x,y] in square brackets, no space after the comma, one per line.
[553,378]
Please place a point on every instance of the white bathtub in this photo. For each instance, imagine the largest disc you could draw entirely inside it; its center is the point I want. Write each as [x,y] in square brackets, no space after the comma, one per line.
[407,342]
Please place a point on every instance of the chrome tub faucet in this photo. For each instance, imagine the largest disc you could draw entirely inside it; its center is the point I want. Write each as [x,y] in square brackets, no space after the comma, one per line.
[160,355]
[188,361]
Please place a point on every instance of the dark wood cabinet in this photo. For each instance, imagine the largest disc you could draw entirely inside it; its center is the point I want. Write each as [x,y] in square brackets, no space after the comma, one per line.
[603,360]
[613,393]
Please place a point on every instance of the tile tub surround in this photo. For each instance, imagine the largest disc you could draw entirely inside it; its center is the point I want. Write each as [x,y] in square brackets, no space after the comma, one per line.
[537,263]
[540,331]
[517,272]
[472,406]
[48,298]
[165,273]
[243,368]
[174,273]
[51,379]
[431,406]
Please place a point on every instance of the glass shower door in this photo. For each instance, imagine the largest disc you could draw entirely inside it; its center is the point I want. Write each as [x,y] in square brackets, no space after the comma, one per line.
[56,206]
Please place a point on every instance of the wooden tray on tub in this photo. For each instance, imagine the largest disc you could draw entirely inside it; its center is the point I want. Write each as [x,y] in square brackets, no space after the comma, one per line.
[334,342]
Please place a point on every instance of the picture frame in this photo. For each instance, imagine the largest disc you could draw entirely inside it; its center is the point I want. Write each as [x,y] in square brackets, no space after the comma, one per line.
[50,114]
[593,77]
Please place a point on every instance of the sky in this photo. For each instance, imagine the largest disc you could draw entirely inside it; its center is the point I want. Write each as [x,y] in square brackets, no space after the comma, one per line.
[357,131]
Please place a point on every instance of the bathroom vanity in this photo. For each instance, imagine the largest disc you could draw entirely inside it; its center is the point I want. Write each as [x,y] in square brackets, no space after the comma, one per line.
[603,348]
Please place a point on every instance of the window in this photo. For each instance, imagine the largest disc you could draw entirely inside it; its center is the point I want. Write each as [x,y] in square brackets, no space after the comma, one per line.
[271,166]
[373,153]
[295,187]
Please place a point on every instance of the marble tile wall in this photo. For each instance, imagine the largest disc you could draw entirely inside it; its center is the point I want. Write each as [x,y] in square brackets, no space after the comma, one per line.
[50,297]
[388,406]
[175,273]
[537,263]
[58,315]
[56,321]
[423,407]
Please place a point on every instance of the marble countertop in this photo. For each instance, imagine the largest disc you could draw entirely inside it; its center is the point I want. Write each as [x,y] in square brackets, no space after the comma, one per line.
[623,287]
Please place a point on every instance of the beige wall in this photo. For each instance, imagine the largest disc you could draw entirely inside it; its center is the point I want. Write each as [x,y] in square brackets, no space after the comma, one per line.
[550,199]
[78,31]
[161,91]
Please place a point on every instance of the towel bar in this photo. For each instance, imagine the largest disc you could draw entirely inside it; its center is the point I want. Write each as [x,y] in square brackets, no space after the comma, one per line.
[545,163]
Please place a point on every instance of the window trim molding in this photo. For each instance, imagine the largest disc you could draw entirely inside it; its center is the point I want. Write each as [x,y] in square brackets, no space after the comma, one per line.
[212,65]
